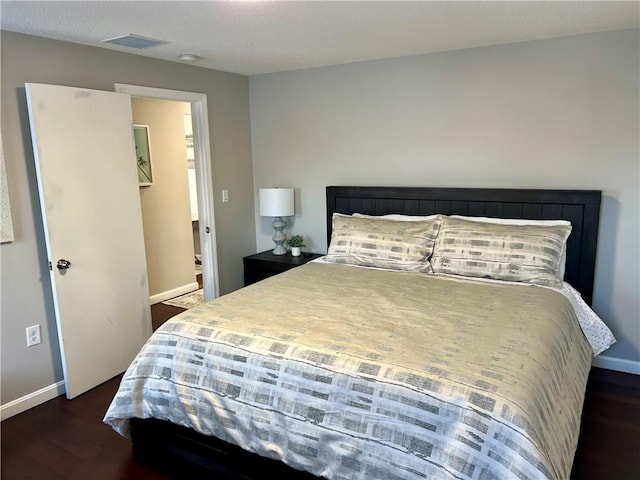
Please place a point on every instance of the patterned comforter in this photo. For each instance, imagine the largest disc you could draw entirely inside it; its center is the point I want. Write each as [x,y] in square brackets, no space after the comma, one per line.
[352,373]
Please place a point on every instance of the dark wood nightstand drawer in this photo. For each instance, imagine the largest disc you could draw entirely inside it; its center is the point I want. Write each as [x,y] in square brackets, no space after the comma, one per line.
[265,264]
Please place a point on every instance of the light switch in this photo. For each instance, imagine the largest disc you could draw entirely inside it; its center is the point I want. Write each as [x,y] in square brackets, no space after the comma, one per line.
[225,196]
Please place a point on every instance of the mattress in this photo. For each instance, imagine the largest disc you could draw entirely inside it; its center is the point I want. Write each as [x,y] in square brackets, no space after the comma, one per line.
[354,373]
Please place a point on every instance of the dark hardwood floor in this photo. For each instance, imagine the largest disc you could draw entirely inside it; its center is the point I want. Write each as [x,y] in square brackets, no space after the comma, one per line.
[609,444]
[161,312]
[64,439]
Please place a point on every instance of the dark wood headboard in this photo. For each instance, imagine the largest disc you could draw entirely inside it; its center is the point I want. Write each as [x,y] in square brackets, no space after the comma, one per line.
[580,207]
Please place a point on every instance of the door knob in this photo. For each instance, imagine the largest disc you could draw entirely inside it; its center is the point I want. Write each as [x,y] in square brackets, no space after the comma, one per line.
[63,264]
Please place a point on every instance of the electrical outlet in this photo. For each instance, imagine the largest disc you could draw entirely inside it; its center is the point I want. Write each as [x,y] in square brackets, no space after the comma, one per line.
[33,335]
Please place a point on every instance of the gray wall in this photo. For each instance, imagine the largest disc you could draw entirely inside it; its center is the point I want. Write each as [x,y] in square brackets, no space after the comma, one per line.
[26,291]
[559,113]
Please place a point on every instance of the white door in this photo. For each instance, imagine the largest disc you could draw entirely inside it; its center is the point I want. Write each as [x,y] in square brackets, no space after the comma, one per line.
[88,184]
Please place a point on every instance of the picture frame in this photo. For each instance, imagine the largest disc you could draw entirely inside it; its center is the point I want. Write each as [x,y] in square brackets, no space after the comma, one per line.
[143,155]
[6,223]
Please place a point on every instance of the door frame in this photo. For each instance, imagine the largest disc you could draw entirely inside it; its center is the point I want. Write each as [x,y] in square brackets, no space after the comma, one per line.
[204,175]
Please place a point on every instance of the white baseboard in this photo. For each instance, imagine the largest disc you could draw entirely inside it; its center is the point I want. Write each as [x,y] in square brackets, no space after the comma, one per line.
[176,292]
[31,400]
[619,364]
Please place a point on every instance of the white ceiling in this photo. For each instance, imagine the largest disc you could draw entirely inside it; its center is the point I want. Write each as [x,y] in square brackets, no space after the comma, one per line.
[254,37]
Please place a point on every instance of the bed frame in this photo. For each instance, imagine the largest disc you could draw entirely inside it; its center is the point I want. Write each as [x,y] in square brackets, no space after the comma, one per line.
[580,207]
[184,453]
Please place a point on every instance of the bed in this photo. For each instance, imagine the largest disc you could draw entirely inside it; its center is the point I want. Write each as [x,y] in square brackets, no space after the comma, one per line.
[385,360]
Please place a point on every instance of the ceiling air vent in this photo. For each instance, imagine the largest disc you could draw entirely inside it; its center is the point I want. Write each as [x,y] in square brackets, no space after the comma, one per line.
[134,41]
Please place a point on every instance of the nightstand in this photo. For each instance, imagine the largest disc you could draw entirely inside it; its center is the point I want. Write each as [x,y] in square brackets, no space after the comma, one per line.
[265,264]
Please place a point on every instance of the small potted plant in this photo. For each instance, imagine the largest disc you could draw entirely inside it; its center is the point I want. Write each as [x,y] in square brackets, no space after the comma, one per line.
[295,242]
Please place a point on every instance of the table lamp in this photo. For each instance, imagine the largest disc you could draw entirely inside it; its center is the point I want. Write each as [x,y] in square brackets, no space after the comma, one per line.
[278,203]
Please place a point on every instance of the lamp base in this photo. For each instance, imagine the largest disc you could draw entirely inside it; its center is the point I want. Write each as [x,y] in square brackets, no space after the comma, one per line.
[279,237]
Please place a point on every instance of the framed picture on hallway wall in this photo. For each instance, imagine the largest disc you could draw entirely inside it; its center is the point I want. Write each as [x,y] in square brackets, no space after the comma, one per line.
[6,225]
[143,155]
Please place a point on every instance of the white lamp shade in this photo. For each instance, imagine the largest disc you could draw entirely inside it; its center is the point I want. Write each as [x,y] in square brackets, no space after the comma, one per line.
[276,202]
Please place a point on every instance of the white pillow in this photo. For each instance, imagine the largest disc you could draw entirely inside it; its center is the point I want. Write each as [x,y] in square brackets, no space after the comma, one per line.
[399,217]
[514,221]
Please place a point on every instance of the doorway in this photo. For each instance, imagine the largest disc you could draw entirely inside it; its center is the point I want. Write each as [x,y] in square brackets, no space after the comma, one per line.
[203,176]
[193,190]
[167,214]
